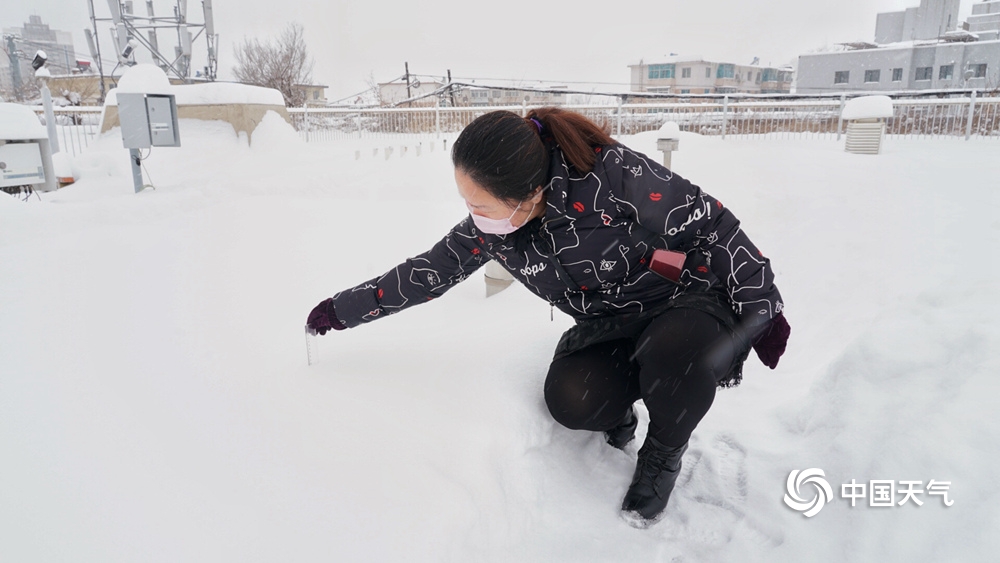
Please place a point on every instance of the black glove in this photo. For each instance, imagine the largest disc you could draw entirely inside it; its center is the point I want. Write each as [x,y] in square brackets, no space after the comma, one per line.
[770,343]
[323,318]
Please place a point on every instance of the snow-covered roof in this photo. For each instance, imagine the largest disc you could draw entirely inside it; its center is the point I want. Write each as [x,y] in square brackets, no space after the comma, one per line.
[902,45]
[868,107]
[19,123]
[216,93]
[675,59]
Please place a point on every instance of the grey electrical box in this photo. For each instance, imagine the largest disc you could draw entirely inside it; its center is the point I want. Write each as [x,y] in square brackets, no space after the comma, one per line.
[148,120]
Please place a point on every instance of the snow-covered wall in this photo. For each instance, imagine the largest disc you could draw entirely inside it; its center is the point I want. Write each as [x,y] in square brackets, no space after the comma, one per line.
[241,105]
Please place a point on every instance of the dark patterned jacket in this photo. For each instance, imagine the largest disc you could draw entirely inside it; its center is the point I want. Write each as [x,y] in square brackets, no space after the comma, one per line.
[587,255]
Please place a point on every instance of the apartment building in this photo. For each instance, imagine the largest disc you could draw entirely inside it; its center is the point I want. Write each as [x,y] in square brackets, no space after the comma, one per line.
[695,75]
[920,48]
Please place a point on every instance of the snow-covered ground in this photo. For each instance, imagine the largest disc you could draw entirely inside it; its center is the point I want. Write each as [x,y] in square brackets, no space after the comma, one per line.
[156,405]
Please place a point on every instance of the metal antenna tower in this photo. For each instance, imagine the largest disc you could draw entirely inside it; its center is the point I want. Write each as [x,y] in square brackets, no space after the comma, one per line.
[127,34]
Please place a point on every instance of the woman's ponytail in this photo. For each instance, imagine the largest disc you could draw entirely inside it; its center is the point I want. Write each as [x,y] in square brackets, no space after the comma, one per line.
[575,134]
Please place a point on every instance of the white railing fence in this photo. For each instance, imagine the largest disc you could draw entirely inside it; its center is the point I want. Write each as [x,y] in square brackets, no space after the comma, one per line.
[76,127]
[957,118]
[964,117]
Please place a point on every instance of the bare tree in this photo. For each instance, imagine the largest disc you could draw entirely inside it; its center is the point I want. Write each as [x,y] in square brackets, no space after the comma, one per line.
[279,64]
[374,93]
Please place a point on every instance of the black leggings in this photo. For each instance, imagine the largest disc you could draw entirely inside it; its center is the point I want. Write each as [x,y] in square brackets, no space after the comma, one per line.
[673,366]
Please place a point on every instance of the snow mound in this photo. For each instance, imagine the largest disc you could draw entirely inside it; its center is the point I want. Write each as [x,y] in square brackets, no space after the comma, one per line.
[18,123]
[62,164]
[217,93]
[144,79]
[670,130]
[274,134]
[868,107]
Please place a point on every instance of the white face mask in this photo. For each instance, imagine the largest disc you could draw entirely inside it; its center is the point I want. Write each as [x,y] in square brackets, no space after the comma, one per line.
[497,226]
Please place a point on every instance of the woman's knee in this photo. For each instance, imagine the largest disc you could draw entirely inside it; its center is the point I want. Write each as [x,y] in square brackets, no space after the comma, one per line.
[685,344]
[566,397]
[590,389]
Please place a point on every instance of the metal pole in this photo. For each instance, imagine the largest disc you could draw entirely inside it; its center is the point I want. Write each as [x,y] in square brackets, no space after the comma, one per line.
[96,50]
[408,95]
[136,159]
[972,112]
[50,118]
[15,68]
[725,116]
[152,33]
[840,115]
[51,183]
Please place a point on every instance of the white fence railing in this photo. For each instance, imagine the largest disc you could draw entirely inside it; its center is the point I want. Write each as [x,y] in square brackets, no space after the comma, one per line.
[964,117]
[958,118]
[76,127]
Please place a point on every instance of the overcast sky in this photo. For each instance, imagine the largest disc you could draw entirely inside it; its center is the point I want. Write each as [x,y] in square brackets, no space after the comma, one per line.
[584,40]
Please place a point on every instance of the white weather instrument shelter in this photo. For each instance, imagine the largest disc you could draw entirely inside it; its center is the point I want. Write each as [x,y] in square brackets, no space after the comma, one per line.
[865,117]
[25,153]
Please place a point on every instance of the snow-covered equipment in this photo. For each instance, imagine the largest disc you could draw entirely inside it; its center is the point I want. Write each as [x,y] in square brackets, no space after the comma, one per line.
[668,141]
[25,152]
[147,111]
[865,118]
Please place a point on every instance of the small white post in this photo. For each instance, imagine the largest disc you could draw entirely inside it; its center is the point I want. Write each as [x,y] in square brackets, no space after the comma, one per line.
[50,118]
[972,113]
[437,120]
[840,115]
[667,146]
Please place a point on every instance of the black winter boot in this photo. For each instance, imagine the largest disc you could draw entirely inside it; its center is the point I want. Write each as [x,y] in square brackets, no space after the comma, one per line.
[624,433]
[656,471]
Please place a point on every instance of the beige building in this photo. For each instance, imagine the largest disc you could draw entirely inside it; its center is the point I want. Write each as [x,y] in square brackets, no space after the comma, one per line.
[695,75]
[479,97]
[391,93]
[463,96]
[78,89]
[315,94]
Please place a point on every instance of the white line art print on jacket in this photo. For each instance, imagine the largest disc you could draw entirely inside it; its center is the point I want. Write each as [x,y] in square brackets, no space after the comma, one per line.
[617,214]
